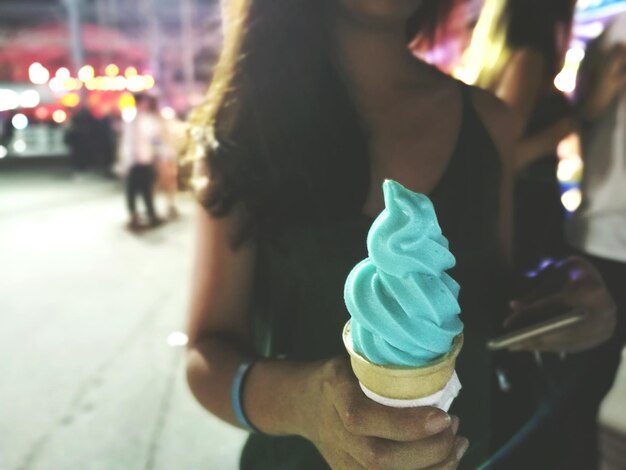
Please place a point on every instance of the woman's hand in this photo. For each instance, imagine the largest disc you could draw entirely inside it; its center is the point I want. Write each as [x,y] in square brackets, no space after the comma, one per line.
[352,431]
[563,285]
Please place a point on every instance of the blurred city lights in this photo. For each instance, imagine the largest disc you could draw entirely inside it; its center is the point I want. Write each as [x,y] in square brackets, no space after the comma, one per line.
[63,73]
[19,146]
[571,199]
[112,70]
[59,116]
[92,84]
[167,112]
[575,55]
[126,100]
[30,99]
[20,121]
[9,99]
[38,74]
[177,339]
[3,151]
[570,170]
[42,113]
[148,82]
[131,72]
[565,81]
[119,83]
[71,100]
[56,85]
[129,114]
[86,73]
[135,84]
[107,84]
[71,84]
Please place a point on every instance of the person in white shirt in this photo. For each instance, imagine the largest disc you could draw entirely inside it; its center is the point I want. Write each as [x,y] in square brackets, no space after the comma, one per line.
[598,228]
[142,142]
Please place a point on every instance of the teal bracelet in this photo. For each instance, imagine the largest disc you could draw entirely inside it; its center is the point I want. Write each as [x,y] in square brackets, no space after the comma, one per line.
[236,396]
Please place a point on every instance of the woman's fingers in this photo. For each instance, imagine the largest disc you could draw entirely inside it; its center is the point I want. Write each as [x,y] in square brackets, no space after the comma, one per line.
[452,462]
[424,453]
[364,417]
[377,436]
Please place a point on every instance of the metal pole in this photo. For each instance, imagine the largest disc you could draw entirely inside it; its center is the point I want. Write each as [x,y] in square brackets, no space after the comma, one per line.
[76,40]
[153,38]
[188,49]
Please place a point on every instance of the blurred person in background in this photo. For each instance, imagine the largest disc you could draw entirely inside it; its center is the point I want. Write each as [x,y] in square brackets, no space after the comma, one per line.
[517,49]
[82,138]
[141,147]
[107,142]
[173,142]
[598,228]
[313,105]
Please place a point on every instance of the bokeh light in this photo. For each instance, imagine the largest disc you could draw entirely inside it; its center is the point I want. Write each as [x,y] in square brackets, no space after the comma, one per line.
[42,113]
[63,73]
[38,74]
[56,85]
[20,121]
[30,99]
[126,100]
[571,199]
[111,70]
[9,99]
[71,100]
[87,72]
[131,72]
[19,146]
[148,82]
[71,84]
[59,116]
[570,170]
[129,114]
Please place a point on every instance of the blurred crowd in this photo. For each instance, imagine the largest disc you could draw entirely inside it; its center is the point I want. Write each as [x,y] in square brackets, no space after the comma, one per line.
[143,148]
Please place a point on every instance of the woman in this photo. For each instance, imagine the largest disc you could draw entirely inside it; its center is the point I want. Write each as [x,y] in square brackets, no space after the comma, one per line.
[516,51]
[313,105]
[141,147]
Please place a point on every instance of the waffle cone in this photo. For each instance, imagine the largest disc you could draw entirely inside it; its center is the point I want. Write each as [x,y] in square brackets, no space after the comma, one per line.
[403,383]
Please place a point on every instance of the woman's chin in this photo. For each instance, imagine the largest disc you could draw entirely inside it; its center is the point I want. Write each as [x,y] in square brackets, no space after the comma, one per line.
[380,11]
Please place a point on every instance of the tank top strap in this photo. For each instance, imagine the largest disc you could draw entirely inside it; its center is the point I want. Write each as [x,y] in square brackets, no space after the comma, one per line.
[470,116]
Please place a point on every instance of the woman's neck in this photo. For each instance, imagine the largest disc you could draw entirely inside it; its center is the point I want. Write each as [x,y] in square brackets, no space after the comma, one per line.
[371,57]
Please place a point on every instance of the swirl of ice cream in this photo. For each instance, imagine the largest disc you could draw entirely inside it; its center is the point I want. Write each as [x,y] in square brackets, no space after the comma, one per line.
[403,305]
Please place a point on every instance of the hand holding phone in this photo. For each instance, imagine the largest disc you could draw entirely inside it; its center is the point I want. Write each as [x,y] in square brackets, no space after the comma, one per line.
[548,326]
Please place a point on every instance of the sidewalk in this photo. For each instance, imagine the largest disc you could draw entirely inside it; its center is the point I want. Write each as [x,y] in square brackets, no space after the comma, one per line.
[88,378]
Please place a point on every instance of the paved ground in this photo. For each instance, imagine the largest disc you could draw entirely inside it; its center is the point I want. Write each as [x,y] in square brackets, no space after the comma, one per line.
[88,379]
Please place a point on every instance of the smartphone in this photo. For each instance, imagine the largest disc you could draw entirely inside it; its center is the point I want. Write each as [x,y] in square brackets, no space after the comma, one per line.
[549,326]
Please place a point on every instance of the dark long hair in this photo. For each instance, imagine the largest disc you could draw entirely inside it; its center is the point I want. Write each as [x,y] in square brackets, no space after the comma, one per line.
[507,25]
[278,133]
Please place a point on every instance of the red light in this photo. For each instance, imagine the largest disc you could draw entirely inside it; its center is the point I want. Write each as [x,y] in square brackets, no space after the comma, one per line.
[42,114]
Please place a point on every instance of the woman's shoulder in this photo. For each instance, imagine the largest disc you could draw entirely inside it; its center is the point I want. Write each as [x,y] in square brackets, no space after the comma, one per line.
[498,119]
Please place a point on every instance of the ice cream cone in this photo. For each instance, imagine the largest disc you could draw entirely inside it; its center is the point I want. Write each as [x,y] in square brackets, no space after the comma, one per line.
[400,384]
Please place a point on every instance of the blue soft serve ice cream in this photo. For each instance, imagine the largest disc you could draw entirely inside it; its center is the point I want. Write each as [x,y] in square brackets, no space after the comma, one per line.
[403,305]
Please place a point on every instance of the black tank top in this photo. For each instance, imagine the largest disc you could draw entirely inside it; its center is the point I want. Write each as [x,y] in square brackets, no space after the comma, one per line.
[299,308]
